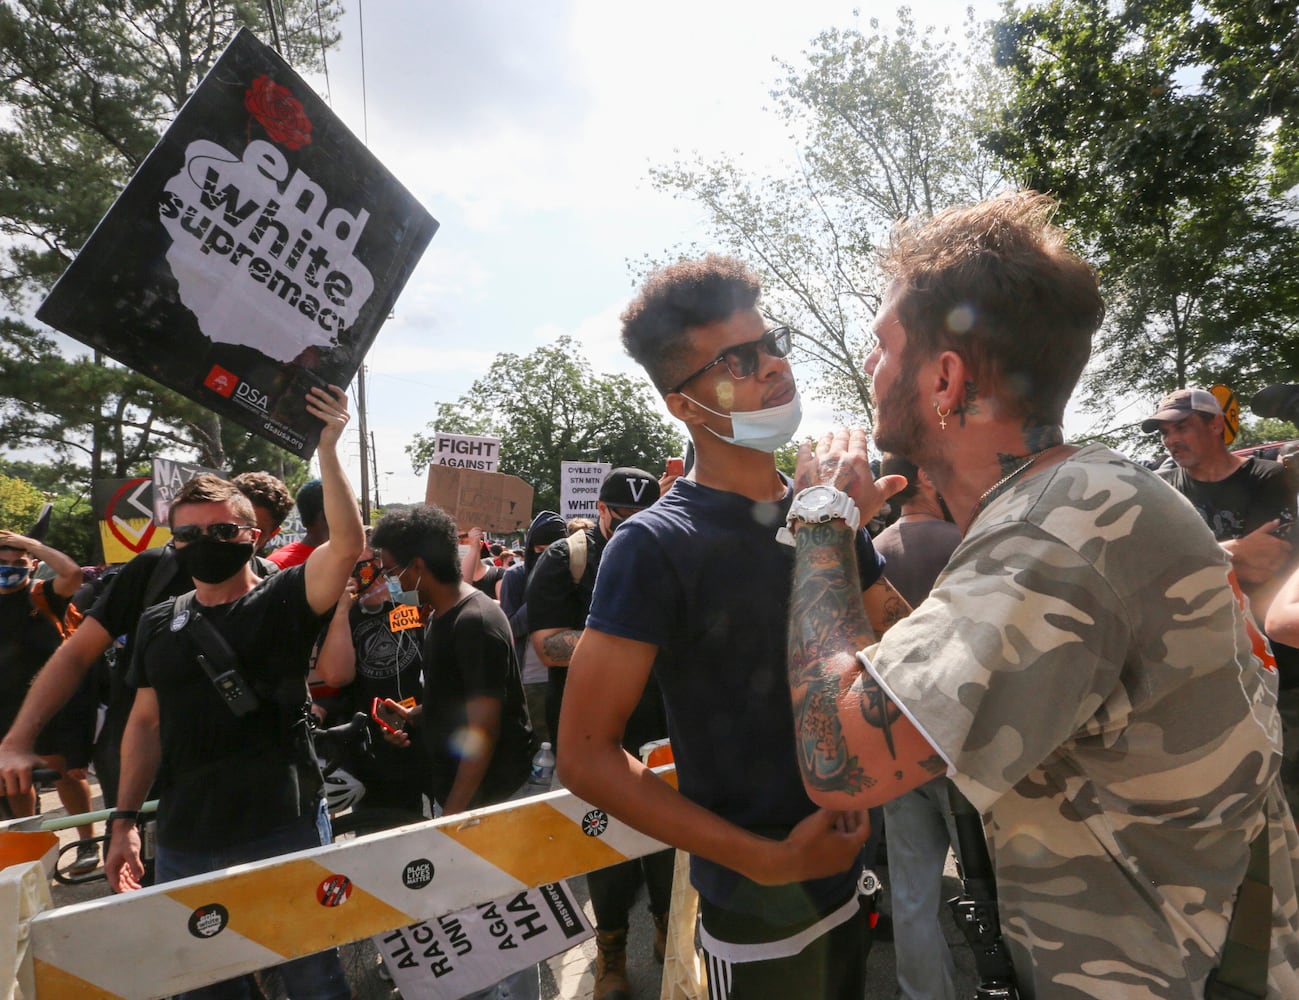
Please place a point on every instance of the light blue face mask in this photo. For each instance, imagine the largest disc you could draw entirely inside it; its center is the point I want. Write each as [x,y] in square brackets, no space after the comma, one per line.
[399,596]
[762,430]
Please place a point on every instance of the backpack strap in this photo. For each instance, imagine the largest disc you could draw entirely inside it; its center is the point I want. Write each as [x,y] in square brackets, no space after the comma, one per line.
[164,571]
[218,660]
[577,556]
[41,602]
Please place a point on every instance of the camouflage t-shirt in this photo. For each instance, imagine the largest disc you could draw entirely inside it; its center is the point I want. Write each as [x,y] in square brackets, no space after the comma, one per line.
[1085,670]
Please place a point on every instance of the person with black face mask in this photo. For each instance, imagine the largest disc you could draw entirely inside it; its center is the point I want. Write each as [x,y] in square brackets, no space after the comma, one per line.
[211,753]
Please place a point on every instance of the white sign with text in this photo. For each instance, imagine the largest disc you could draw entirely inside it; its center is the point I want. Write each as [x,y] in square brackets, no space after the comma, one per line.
[463,952]
[579,488]
[464,451]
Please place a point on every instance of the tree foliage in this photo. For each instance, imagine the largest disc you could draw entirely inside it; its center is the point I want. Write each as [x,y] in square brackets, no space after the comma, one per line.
[20,504]
[564,413]
[886,126]
[86,89]
[1156,127]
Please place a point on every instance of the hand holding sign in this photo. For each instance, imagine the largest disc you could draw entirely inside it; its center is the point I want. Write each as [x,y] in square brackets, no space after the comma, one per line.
[329,406]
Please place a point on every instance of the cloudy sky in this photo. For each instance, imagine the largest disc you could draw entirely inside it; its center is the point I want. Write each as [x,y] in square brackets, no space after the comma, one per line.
[528,130]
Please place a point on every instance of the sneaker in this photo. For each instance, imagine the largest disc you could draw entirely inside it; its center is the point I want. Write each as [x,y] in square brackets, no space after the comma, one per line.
[87,860]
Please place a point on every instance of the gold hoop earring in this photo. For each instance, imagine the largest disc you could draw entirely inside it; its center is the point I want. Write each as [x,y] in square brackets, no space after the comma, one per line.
[942,417]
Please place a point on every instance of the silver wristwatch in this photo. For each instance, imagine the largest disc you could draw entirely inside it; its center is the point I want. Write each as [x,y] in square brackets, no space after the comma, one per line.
[816,505]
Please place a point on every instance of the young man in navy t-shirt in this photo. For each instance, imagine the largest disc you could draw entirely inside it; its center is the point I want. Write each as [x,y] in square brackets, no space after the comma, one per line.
[697,588]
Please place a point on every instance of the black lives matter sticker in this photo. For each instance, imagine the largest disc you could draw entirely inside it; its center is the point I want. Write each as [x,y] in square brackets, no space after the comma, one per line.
[208,921]
[417,874]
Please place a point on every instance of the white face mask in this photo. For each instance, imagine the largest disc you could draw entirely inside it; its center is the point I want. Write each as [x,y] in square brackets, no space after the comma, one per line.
[761,430]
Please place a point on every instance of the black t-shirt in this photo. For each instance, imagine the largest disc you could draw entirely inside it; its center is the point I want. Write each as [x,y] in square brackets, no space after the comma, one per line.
[469,653]
[389,643]
[225,779]
[1251,496]
[119,609]
[553,600]
[488,581]
[27,639]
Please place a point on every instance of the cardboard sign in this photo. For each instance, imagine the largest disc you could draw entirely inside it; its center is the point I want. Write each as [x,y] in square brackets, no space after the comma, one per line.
[579,488]
[462,451]
[255,253]
[489,500]
[124,510]
[168,478]
[467,951]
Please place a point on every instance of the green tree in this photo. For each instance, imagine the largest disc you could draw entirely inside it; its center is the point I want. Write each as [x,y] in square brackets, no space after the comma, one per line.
[20,504]
[886,126]
[86,89]
[1158,135]
[566,414]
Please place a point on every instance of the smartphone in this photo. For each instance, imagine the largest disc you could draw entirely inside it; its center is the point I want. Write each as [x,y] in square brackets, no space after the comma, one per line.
[386,716]
[365,573]
[676,467]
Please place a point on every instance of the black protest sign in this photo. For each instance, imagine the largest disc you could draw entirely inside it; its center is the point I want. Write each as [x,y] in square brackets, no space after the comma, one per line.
[255,253]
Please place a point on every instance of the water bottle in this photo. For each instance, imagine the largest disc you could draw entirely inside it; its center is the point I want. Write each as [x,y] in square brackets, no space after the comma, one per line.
[543,770]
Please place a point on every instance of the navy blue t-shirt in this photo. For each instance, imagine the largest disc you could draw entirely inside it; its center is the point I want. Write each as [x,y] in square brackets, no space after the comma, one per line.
[701,576]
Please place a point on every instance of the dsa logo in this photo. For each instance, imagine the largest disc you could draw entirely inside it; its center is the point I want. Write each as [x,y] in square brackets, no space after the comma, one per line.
[222,382]
[250,396]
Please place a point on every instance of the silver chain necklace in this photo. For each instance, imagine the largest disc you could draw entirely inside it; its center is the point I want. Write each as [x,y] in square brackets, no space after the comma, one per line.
[991,490]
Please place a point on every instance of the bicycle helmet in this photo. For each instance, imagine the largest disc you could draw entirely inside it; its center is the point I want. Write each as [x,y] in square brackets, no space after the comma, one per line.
[342,790]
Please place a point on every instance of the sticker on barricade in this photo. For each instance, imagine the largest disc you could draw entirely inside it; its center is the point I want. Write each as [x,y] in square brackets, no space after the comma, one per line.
[466,951]
[211,927]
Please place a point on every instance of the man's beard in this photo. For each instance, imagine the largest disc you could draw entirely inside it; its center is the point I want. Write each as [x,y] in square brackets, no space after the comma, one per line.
[899,423]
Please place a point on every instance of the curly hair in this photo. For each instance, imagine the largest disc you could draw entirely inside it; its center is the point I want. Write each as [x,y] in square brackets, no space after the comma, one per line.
[267,492]
[677,298]
[426,531]
[996,283]
[207,488]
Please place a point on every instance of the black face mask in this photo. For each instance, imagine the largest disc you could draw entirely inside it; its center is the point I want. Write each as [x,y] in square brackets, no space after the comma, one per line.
[210,561]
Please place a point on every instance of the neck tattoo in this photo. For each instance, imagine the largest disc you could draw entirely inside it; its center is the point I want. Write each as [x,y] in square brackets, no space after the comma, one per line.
[996,488]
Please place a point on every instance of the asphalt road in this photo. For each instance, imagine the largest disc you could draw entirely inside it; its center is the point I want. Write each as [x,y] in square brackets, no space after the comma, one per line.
[571,975]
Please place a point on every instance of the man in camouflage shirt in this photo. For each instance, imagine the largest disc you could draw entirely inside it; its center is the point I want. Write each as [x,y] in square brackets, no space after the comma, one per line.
[1082,669]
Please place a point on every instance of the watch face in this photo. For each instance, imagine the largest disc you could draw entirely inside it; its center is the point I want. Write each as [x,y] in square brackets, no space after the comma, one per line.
[818,498]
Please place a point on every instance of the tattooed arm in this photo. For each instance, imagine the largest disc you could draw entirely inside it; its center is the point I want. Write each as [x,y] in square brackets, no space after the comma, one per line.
[606,680]
[884,606]
[555,645]
[855,748]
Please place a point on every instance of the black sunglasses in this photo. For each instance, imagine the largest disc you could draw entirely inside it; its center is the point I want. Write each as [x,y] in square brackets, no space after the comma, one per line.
[742,359]
[222,531]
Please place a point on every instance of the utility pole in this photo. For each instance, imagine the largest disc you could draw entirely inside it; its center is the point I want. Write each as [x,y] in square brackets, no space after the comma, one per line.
[365,445]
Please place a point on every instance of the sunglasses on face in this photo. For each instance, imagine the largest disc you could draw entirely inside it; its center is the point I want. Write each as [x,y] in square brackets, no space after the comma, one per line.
[742,360]
[222,531]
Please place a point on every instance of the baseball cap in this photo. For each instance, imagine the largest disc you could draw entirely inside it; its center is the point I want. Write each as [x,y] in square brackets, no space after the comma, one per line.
[629,487]
[1179,405]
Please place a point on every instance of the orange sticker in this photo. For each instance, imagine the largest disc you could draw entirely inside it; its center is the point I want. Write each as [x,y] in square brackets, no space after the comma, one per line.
[403,617]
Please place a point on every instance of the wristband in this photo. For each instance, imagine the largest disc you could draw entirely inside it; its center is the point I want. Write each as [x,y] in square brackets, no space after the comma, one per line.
[132,814]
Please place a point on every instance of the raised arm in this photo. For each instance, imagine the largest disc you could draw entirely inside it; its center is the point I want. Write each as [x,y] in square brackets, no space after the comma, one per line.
[329,565]
[67,574]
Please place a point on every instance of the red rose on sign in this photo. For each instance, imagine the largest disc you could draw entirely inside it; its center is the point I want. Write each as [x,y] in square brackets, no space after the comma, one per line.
[279,112]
